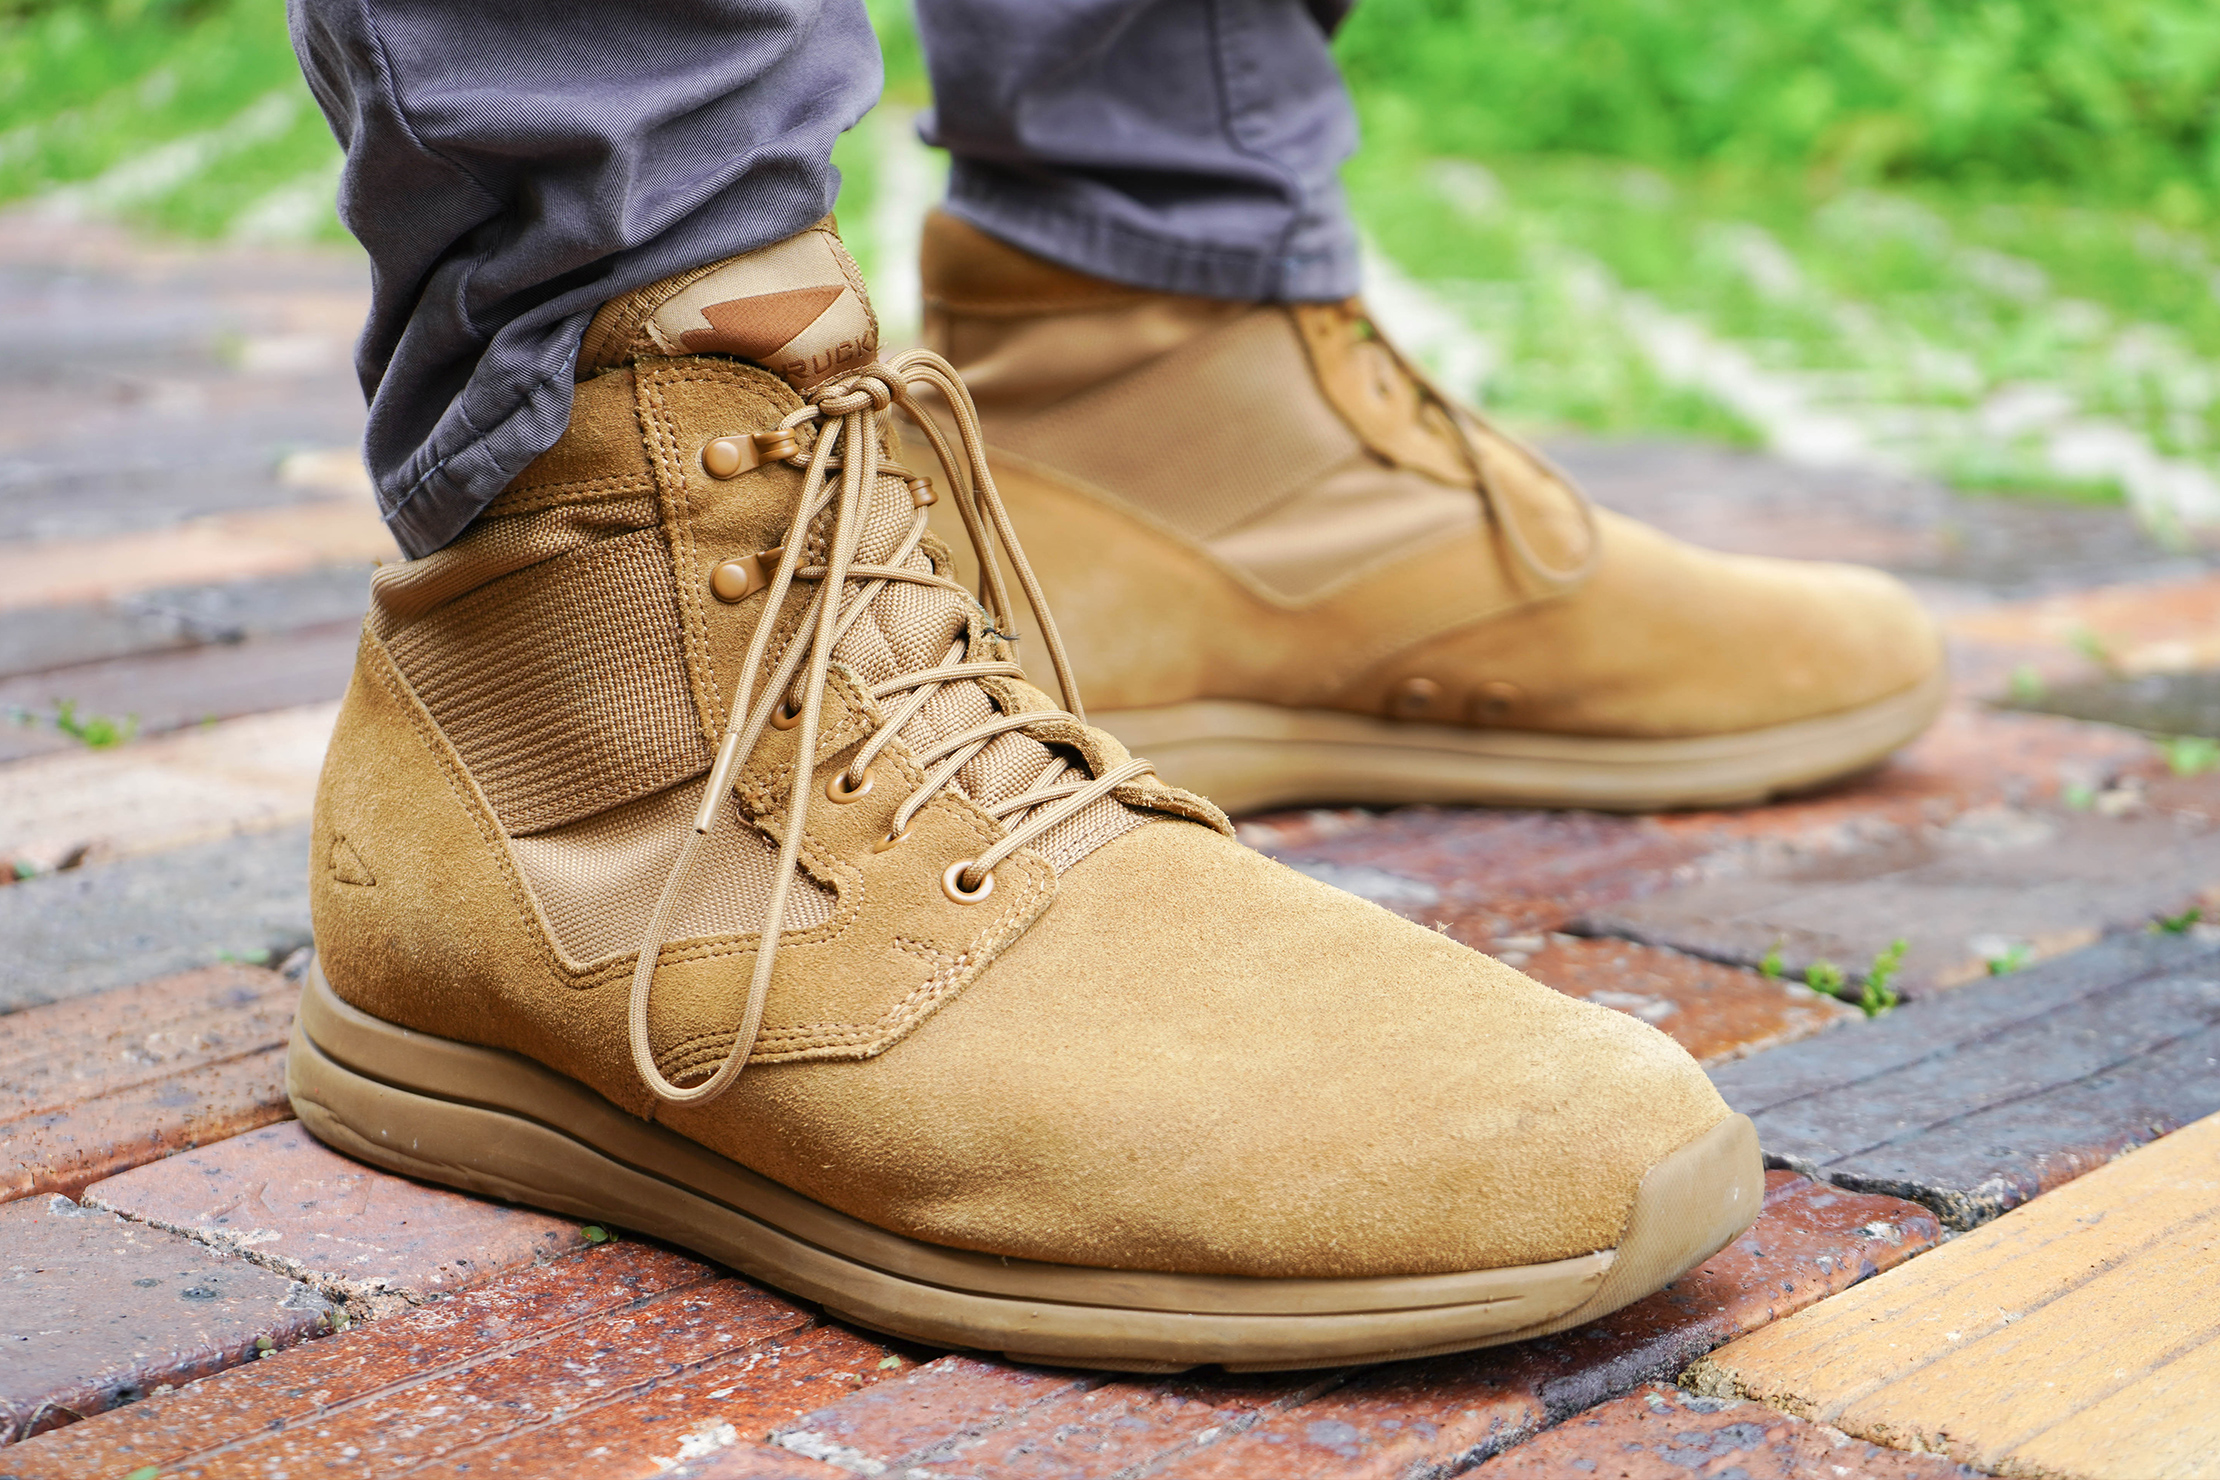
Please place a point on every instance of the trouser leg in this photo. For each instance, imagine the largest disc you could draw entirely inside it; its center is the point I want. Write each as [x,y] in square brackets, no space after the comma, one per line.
[512,165]
[1189,146]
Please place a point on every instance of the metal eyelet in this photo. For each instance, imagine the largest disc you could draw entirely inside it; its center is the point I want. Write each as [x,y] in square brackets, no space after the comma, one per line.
[892,838]
[837,790]
[952,885]
[786,716]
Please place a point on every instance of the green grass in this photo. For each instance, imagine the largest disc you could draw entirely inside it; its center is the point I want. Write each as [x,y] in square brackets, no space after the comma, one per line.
[186,118]
[2102,99]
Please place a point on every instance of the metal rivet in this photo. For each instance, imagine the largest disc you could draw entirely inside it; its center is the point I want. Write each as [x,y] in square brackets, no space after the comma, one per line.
[952,883]
[1493,701]
[1414,698]
[837,788]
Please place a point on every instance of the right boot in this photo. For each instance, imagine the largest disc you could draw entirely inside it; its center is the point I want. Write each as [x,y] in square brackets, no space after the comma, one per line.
[692,856]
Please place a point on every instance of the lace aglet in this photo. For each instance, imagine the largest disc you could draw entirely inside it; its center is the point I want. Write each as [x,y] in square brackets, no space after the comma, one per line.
[720,781]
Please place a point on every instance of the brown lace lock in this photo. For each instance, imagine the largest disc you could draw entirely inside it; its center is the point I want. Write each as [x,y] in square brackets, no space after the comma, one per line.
[729,457]
[737,580]
[952,883]
[922,495]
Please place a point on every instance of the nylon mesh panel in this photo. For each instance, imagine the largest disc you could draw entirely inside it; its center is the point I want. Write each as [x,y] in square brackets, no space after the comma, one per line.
[910,627]
[563,687]
[496,547]
[598,880]
[1233,425]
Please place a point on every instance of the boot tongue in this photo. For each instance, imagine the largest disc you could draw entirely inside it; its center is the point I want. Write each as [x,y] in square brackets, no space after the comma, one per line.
[797,308]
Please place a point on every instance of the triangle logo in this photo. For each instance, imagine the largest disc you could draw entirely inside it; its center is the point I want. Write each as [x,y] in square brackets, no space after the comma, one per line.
[758,327]
[346,865]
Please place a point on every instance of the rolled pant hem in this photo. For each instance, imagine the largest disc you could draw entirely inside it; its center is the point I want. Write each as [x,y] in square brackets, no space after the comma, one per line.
[1089,242]
[437,504]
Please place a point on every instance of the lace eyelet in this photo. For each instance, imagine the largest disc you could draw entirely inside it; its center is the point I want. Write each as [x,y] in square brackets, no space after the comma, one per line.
[837,790]
[891,839]
[952,883]
[786,716]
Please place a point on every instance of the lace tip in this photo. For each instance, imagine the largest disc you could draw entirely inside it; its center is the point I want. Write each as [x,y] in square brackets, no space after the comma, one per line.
[720,782]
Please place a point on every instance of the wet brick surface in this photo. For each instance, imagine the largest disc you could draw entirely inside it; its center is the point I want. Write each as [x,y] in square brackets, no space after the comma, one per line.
[93,1087]
[366,1238]
[1661,1433]
[116,924]
[1716,1012]
[1982,1098]
[410,1375]
[95,1312]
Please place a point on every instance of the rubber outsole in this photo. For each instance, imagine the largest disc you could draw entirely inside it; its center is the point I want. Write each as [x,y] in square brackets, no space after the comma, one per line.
[1249,757]
[501,1125]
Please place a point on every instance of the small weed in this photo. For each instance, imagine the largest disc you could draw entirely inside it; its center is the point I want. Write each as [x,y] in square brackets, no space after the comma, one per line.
[255,956]
[1825,978]
[2027,684]
[263,1346]
[1770,967]
[2191,755]
[93,731]
[2090,645]
[2077,796]
[144,1472]
[2177,924]
[25,869]
[594,1233]
[1877,995]
[2012,959]
[888,1364]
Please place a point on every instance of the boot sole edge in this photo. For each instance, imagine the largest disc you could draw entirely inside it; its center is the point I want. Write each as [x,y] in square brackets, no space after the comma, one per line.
[1250,757]
[493,1123]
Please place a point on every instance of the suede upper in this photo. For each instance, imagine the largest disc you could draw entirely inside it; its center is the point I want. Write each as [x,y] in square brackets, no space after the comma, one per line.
[1267,503]
[1146,1047]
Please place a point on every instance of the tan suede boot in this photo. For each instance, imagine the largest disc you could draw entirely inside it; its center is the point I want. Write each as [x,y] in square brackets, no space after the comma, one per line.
[1292,571]
[688,758]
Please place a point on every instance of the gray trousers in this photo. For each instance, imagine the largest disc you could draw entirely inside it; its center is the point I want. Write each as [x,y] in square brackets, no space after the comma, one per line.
[512,164]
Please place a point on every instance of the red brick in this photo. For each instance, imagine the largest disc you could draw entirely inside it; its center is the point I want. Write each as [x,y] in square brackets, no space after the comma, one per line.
[95,1086]
[1662,1433]
[1810,1242]
[1412,1417]
[1111,1428]
[734,1401]
[613,1357]
[1716,1012]
[755,1462]
[378,1242]
[365,1372]
[941,1404]
[99,1312]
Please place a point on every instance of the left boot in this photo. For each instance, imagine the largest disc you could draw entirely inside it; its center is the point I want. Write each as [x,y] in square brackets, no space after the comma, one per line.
[1291,570]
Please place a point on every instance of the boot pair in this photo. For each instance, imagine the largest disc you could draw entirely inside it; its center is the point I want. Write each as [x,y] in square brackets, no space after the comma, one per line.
[693,853]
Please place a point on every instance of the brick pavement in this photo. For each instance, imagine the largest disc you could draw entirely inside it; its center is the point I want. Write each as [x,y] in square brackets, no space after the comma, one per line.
[307,1313]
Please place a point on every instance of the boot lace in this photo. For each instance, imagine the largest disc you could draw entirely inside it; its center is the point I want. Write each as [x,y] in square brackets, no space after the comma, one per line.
[853,417]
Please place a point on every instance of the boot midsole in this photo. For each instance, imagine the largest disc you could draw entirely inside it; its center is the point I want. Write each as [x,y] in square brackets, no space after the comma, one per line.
[1247,756]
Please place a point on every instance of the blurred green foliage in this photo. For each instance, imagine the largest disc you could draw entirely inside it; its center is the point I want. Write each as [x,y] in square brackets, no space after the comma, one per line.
[2113,99]
[185,114]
